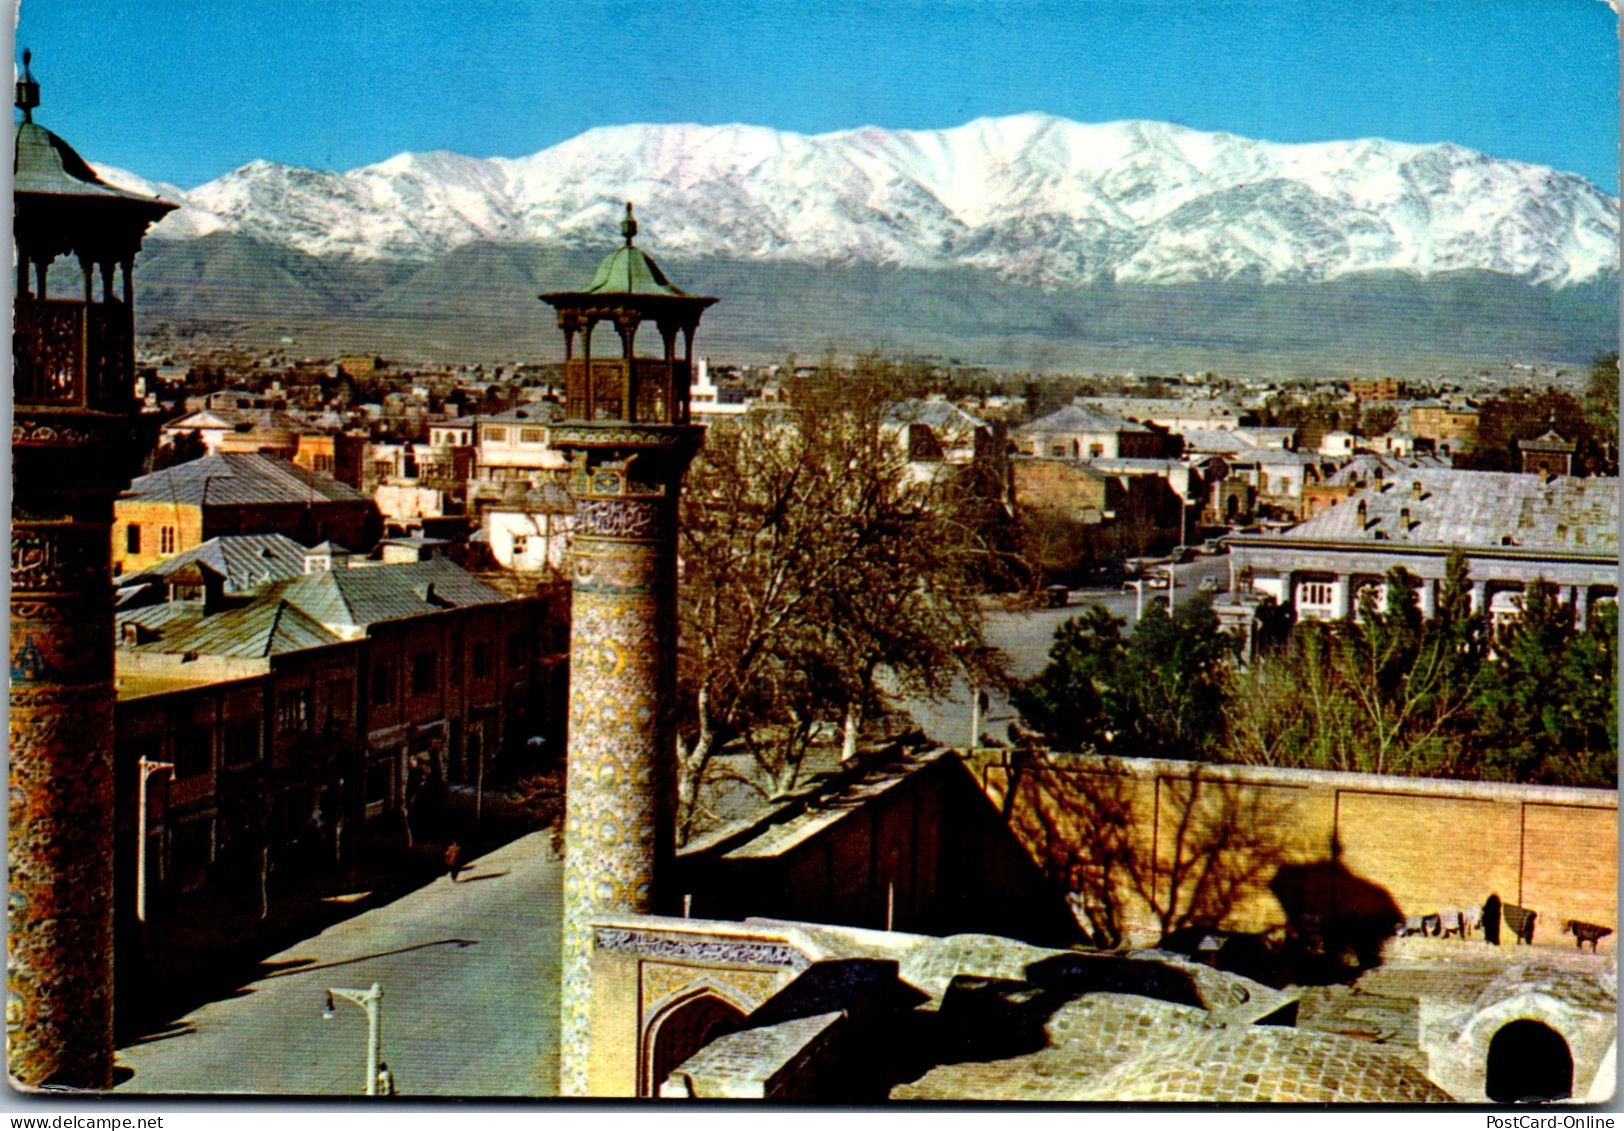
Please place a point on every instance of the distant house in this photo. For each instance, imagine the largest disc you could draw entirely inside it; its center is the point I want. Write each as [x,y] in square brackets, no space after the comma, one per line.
[176,509]
[1512,529]
[1175,414]
[1450,427]
[1077,432]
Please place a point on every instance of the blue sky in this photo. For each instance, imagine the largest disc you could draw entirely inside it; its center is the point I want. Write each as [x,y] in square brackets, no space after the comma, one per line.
[185,90]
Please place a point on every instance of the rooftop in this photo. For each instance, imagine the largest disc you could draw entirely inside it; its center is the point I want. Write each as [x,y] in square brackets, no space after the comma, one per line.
[246,561]
[1077,418]
[1436,507]
[352,599]
[235,478]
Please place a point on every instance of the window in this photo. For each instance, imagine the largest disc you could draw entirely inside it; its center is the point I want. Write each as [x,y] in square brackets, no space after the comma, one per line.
[132,538]
[242,743]
[496,435]
[293,711]
[423,673]
[482,658]
[322,463]
[456,657]
[1058,451]
[383,685]
[1096,451]
[337,710]
[194,752]
[532,435]
[166,540]
[518,652]
[1315,593]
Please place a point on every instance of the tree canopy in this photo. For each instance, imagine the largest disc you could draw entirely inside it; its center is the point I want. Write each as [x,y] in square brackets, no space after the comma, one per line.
[1386,692]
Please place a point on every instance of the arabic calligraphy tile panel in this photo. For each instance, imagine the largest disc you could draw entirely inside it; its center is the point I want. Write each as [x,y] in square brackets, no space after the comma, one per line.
[59,906]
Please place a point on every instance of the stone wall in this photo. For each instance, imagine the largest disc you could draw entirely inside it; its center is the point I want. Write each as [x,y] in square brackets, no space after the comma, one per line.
[1149,847]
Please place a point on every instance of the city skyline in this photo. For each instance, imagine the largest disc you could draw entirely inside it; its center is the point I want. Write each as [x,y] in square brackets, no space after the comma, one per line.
[214,88]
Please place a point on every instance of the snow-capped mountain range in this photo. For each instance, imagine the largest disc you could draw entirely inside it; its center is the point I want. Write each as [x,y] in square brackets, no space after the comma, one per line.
[1036,199]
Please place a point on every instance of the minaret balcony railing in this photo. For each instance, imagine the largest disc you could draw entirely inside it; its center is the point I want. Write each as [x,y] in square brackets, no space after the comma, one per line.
[71,354]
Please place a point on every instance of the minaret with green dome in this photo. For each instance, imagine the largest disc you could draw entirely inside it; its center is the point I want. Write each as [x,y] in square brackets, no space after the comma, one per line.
[628,436]
[77,436]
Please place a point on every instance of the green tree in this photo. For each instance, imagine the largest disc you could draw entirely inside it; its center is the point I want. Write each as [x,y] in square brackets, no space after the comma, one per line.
[1158,694]
[1389,693]
[1601,408]
[1547,709]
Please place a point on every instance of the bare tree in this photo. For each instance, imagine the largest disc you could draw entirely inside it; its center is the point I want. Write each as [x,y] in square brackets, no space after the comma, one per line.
[822,571]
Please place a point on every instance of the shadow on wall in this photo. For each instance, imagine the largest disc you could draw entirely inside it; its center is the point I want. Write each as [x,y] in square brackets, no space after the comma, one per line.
[1087,832]
[1197,855]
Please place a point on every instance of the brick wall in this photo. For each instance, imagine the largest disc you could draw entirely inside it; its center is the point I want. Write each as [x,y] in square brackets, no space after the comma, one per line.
[1155,846]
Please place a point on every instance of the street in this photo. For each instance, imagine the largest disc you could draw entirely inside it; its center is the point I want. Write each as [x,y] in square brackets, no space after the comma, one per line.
[1026,636]
[469,973]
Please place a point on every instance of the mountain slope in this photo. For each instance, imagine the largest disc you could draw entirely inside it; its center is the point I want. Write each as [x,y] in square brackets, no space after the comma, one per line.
[1032,199]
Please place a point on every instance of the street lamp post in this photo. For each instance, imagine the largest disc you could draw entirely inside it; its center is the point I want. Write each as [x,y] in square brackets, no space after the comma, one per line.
[147,768]
[1138,599]
[370,1000]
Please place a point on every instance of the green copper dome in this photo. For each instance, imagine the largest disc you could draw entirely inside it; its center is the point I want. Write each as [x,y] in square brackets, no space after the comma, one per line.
[627,271]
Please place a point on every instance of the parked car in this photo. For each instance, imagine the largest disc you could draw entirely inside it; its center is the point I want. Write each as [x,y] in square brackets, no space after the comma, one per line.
[1057,596]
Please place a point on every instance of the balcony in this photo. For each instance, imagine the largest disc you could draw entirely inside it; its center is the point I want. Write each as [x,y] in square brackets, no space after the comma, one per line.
[67,354]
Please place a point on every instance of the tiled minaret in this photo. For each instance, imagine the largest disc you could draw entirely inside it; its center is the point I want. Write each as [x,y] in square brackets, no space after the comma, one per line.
[76,440]
[628,436]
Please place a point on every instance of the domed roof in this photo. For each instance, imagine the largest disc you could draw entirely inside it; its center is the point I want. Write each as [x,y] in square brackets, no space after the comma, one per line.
[44,163]
[1264,1064]
[628,274]
[627,270]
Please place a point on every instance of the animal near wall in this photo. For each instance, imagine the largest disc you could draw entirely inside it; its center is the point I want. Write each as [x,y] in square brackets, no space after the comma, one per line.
[1151,847]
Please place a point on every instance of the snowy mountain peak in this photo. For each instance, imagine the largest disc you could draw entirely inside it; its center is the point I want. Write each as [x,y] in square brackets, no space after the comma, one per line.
[1035,198]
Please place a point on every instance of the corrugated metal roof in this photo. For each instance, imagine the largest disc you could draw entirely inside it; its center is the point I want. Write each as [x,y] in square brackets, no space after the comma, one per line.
[240,477]
[355,598]
[162,617]
[1475,508]
[264,628]
[1365,465]
[1219,441]
[248,561]
[1077,418]
[942,417]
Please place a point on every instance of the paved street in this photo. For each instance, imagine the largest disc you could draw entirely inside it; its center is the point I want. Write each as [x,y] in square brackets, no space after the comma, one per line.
[1026,636]
[470,1008]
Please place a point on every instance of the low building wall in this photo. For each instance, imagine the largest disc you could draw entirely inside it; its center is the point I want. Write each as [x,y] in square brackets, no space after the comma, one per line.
[1149,847]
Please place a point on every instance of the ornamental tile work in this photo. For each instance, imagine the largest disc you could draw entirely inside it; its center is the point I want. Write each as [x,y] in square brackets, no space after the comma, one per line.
[622,768]
[59,946]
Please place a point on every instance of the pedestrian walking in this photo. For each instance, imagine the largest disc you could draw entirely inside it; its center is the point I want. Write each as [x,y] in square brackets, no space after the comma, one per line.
[386,1079]
[453,860]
